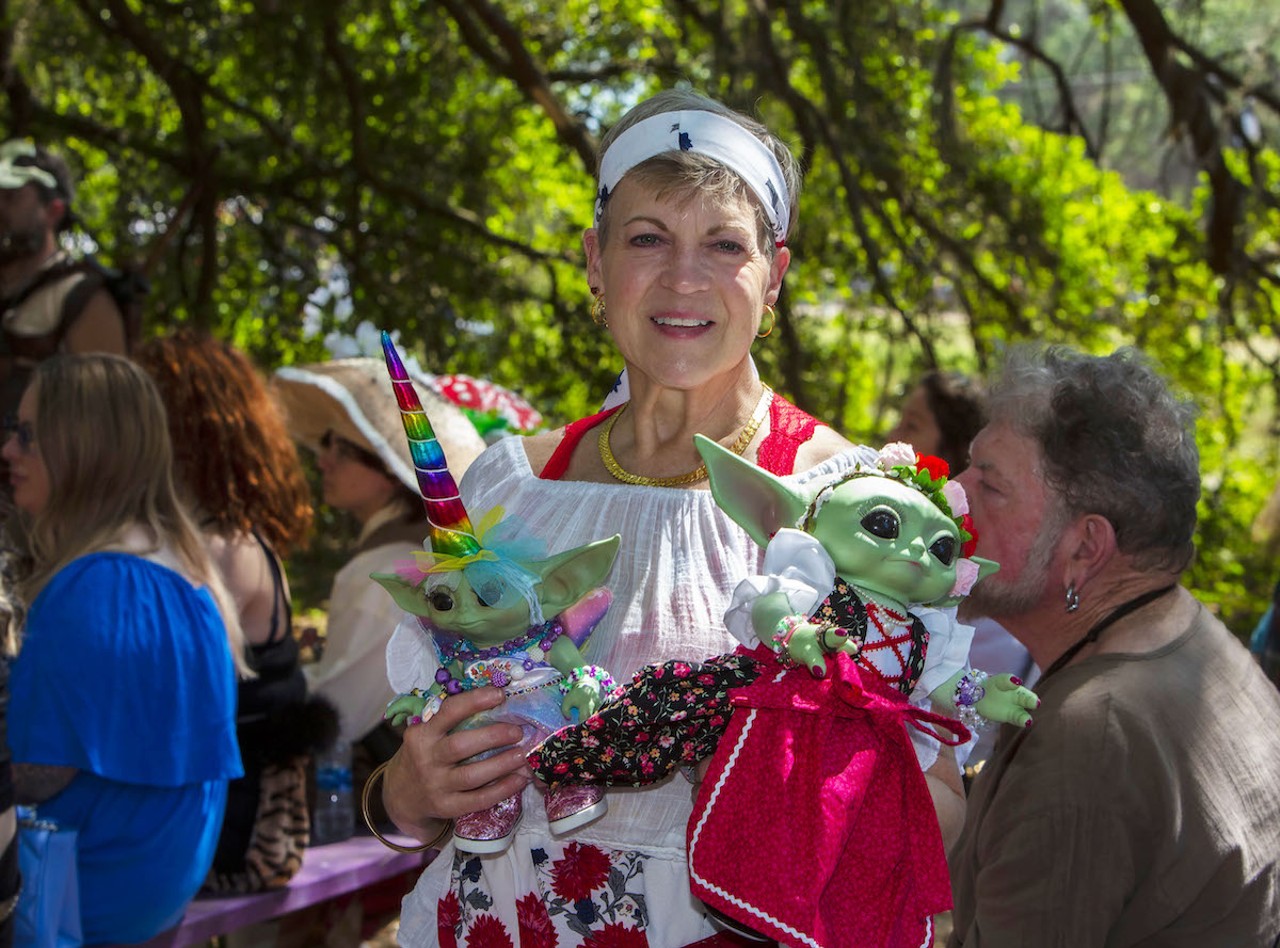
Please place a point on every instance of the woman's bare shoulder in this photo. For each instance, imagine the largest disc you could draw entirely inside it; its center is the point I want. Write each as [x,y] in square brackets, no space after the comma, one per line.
[243,567]
[539,447]
[232,553]
[826,443]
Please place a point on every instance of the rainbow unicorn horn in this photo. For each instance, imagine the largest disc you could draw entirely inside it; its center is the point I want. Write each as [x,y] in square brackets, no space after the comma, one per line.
[450,530]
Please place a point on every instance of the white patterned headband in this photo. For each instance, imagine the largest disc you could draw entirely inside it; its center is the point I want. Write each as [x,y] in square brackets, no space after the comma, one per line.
[708,134]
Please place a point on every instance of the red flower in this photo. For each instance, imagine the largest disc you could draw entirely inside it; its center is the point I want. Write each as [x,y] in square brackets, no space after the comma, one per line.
[488,932]
[578,873]
[616,935]
[448,915]
[935,466]
[536,927]
[972,543]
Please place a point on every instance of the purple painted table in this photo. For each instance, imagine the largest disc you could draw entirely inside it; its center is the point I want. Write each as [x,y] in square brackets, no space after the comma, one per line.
[327,872]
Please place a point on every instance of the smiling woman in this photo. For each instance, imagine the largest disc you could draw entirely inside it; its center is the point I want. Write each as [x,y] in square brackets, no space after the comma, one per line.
[685,260]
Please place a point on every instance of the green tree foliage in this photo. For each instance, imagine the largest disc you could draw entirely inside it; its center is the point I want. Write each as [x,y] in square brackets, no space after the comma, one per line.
[432,162]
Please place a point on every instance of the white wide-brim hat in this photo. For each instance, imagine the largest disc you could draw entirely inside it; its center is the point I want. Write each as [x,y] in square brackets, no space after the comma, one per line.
[353,398]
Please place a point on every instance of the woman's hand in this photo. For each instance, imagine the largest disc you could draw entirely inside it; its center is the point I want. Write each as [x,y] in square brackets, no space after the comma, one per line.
[431,778]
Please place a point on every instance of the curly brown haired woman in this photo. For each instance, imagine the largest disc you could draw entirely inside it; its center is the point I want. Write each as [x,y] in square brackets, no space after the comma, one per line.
[238,469]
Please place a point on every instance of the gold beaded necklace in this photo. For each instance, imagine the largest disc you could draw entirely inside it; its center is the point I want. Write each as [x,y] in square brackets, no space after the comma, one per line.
[680,480]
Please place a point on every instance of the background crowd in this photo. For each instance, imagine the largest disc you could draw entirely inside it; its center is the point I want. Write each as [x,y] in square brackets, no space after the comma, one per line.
[157,496]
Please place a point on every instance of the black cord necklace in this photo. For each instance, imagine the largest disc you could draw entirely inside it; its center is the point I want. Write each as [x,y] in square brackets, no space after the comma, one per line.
[1114,616]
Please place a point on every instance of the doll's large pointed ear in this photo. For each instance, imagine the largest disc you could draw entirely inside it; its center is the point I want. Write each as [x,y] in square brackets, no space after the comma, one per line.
[985,567]
[757,501]
[407,596]
[965,582]
[568,576]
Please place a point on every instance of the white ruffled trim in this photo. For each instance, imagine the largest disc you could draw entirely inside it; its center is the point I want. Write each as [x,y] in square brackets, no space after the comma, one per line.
[411,657]
[796,565]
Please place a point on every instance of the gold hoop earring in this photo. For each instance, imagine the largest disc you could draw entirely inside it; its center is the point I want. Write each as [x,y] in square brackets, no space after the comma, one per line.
[597,312]
[773,318]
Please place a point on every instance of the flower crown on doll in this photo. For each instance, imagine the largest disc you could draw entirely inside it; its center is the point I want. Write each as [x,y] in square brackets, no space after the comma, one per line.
[930,476]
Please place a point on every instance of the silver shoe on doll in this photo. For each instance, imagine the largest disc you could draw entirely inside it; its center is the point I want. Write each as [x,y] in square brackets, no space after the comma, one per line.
[574,805]
[488,831]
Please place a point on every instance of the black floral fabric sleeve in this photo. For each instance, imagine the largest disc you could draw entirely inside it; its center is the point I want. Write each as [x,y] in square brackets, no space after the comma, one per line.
[670,714]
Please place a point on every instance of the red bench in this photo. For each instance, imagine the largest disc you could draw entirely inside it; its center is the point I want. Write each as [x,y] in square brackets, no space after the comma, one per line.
[327,872]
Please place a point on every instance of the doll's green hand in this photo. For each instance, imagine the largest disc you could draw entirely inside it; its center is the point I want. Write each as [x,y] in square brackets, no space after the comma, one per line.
[1007,701]
[804,648]
[584,689]
[403,708]
[999,698]
[584,698]
[805,643]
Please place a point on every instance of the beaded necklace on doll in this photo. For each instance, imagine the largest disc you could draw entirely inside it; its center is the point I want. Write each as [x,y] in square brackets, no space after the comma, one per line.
[497,665]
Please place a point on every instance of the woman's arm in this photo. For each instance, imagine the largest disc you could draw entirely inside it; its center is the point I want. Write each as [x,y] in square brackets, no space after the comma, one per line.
[248,578]
[947,790]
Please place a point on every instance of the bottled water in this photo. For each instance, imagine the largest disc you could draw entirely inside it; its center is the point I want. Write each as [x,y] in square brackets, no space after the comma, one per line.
[335,815]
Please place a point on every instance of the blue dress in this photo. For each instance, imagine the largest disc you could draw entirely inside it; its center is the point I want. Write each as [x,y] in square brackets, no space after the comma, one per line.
[126,675]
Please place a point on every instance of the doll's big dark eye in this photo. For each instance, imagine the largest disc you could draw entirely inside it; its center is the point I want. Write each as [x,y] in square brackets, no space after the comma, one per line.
[944,548]
[882,523]
[440,600]
[490,594]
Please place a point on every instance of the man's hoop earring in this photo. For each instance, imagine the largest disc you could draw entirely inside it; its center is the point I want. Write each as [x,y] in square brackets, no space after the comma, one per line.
[597,311]
[773,318]
[1073,598]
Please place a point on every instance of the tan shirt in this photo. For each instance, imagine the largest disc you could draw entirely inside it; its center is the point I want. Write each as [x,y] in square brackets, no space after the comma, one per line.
[40,313]
[1141,809]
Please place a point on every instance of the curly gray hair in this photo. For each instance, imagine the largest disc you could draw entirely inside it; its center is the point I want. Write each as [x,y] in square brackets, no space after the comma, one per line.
[1115,440]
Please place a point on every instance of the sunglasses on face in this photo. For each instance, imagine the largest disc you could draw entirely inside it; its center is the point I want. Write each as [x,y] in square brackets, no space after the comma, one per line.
[24,431]
[349,450]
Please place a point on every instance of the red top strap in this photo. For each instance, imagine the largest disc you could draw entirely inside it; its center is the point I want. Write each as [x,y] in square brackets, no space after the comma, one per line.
[789,427]
[574,432]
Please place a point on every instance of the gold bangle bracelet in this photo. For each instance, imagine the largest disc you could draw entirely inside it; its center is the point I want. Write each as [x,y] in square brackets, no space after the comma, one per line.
[368,820]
